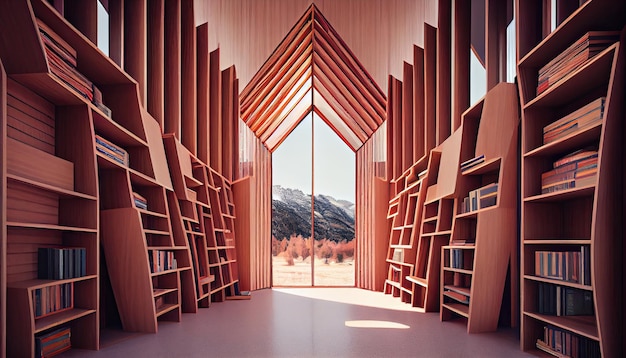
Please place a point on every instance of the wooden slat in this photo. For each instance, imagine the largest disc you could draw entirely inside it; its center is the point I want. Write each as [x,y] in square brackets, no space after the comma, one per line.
[188,77]
[156,60]
[172,120]
[203,98]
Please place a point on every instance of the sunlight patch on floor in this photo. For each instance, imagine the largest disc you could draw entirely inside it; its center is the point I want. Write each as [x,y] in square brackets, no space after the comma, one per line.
[353,296]
[375,324]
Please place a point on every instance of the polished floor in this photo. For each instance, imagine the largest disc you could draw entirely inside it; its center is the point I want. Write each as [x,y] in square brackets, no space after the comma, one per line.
[311,322]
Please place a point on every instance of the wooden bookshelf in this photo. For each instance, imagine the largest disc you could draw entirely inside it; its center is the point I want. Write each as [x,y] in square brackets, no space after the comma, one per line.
[481,255]
[404,215]
[581,218]
[436,224]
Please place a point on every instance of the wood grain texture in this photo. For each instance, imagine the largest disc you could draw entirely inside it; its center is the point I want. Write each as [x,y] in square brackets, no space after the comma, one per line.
[172,120]
[135,44]
[3,218]
[156,60]
[203,97]
[188,93]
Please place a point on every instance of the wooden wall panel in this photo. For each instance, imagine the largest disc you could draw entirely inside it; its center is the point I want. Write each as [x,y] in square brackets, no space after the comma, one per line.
[408,142]
[3,215]
[215,110]
[461,53]
[171,122]
[116,31]
[371,226]
[188,77]
[419,134]
[444,69]
[228,118]
[135,44]
[430,86]
[380,34]
[203,98]
[156,60]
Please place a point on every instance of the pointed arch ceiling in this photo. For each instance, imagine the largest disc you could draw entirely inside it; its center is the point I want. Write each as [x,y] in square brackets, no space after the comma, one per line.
[312,70]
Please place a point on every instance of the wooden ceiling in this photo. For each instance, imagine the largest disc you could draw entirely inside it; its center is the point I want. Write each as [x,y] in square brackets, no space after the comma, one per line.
[312,69]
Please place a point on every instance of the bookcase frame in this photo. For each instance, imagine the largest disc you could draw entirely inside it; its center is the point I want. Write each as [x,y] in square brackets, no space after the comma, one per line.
[490,128]
[591,215]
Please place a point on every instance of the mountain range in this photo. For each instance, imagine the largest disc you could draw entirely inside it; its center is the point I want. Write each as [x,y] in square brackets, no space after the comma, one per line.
[291,214]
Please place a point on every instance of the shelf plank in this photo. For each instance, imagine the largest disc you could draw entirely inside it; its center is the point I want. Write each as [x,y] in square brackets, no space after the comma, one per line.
[487,166]
[162,291]
[157,232]
[558,242]
[462,290]
[60,318]
[39,283]
[574,140]
[457,308]
[558,282]
[166,308]
[418,280]
[592,74]
[62,192]
[582,325]
[467,272]
[49,227]
[152,213]
[562,194]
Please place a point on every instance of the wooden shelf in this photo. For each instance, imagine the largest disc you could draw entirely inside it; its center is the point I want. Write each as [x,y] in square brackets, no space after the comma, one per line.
[60,318]
[562,195]
[490,165]
[63,193]
[558,282]
[166,308]
[577,139]
[163,291]
[49,227]
[592,74]
[583,325]
[457,308]
[467,272]
[558,242]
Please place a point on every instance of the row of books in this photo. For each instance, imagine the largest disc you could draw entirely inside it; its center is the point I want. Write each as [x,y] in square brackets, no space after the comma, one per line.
[54,263]
[140,201]
[161,260]
[112,151]
[561,343]
[51,299]
[62,62]
[571,266]
[471,163]
[584,117]
[457,258]
[564,301]
[480,198]
[53,343]
[577,169]
[573,57]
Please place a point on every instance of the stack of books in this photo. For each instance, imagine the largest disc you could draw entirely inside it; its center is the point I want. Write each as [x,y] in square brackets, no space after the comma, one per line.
[469,164]
[582,118]
[456,258]
[52,299]
[161,260]
[111,150]
[575,170]
[571,266]
[140,201]
[564,301]
[480,198]
[55,263]
[62,62]
[53,343]
[561,343]
[573,57]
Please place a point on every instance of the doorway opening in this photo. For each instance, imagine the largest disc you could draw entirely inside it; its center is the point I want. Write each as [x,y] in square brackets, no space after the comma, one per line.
[313,169]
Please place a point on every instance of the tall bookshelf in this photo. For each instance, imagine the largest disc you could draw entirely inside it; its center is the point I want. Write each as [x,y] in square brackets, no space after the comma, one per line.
[436,223]
[404,214]
[587,217]
[221,245]
[193,210]
[482,253]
